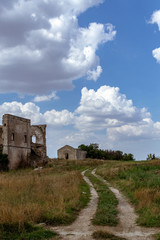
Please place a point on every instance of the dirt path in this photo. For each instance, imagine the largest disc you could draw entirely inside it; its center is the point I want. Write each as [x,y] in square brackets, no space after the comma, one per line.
[82,228]
[127,227]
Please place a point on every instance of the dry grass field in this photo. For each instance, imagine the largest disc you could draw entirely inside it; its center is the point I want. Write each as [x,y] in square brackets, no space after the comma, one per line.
[53,195]
[35,197]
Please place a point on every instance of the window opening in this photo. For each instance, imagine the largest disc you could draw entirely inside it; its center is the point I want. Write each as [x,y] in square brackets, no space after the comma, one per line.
[12,137]
[33,139]
[25,138]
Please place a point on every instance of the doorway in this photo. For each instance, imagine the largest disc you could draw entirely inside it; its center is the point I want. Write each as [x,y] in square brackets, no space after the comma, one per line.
[66,156]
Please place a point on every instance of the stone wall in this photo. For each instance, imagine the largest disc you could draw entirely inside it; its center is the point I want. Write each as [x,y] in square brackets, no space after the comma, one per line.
[39,146]
[16,140]
[81,154]
[70,153]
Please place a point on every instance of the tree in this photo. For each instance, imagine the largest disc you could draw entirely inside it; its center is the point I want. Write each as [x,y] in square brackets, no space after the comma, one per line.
[93,151]
[151,156]
[128,157]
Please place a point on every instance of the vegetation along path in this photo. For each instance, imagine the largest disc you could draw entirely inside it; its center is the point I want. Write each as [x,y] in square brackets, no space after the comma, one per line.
[82,228]
[127,227]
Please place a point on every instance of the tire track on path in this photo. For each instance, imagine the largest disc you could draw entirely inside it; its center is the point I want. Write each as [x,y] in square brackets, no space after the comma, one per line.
[127,226]
[81,228]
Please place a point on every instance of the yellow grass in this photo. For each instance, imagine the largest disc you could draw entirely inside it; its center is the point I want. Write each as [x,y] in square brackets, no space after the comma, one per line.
[31,196]
[146,197]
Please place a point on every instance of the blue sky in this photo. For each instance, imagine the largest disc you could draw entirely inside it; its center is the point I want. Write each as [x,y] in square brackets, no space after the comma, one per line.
[89,69]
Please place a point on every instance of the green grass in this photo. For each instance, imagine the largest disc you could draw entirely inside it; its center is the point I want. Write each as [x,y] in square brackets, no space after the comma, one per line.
[73,165]
[157,236]
[106,213]
[85,195]
[105,235]
[11,231]
[140,182]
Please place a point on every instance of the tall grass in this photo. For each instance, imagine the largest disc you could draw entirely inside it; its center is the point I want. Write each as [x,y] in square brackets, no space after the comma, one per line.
[141,183]
[29,196]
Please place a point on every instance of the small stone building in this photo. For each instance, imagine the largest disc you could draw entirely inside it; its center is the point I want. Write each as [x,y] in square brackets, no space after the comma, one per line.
[70,153]
[16,136]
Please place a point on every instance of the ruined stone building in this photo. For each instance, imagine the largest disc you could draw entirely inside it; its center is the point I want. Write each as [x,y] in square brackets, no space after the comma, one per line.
[17,137]
[70,153]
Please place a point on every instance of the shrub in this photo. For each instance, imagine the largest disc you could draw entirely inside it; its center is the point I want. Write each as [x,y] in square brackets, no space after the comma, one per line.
[150,156]
[128,157]
[94,152]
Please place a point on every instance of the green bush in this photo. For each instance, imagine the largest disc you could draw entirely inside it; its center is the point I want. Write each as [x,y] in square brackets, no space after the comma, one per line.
[128,157]
[94,152]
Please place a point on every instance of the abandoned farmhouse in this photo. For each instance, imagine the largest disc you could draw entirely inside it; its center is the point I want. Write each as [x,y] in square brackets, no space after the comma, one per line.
[16,140]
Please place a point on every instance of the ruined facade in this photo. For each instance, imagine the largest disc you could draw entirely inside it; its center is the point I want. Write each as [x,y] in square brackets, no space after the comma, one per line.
[16,135]
[70,153]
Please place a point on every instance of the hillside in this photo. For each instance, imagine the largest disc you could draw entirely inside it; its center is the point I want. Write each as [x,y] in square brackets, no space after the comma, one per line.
[55,196]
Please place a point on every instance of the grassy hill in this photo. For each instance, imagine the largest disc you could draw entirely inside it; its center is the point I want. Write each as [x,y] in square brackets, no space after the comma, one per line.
[140,182]
[55,195]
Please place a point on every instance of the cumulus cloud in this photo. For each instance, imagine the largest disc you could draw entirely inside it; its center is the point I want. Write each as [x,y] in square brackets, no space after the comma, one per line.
[32,111]
[155,19]
[146,130]
[156,54]
[105,116]
[106,108]
[43,98]
[43,48]
[62,118]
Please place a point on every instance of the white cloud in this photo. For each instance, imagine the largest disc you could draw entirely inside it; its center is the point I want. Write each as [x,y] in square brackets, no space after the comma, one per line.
[155,18]
[105,116]
[28,110]
[32,111]
[94,74]
[156,54]
[43,48]
[43,98]
[62,118]
[139,130]
[106,107]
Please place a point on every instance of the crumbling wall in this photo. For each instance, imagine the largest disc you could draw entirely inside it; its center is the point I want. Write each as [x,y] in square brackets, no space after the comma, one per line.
[39,147]
[16,140]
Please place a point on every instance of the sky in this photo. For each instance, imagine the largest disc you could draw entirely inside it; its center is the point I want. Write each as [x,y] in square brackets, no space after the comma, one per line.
[89,69]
